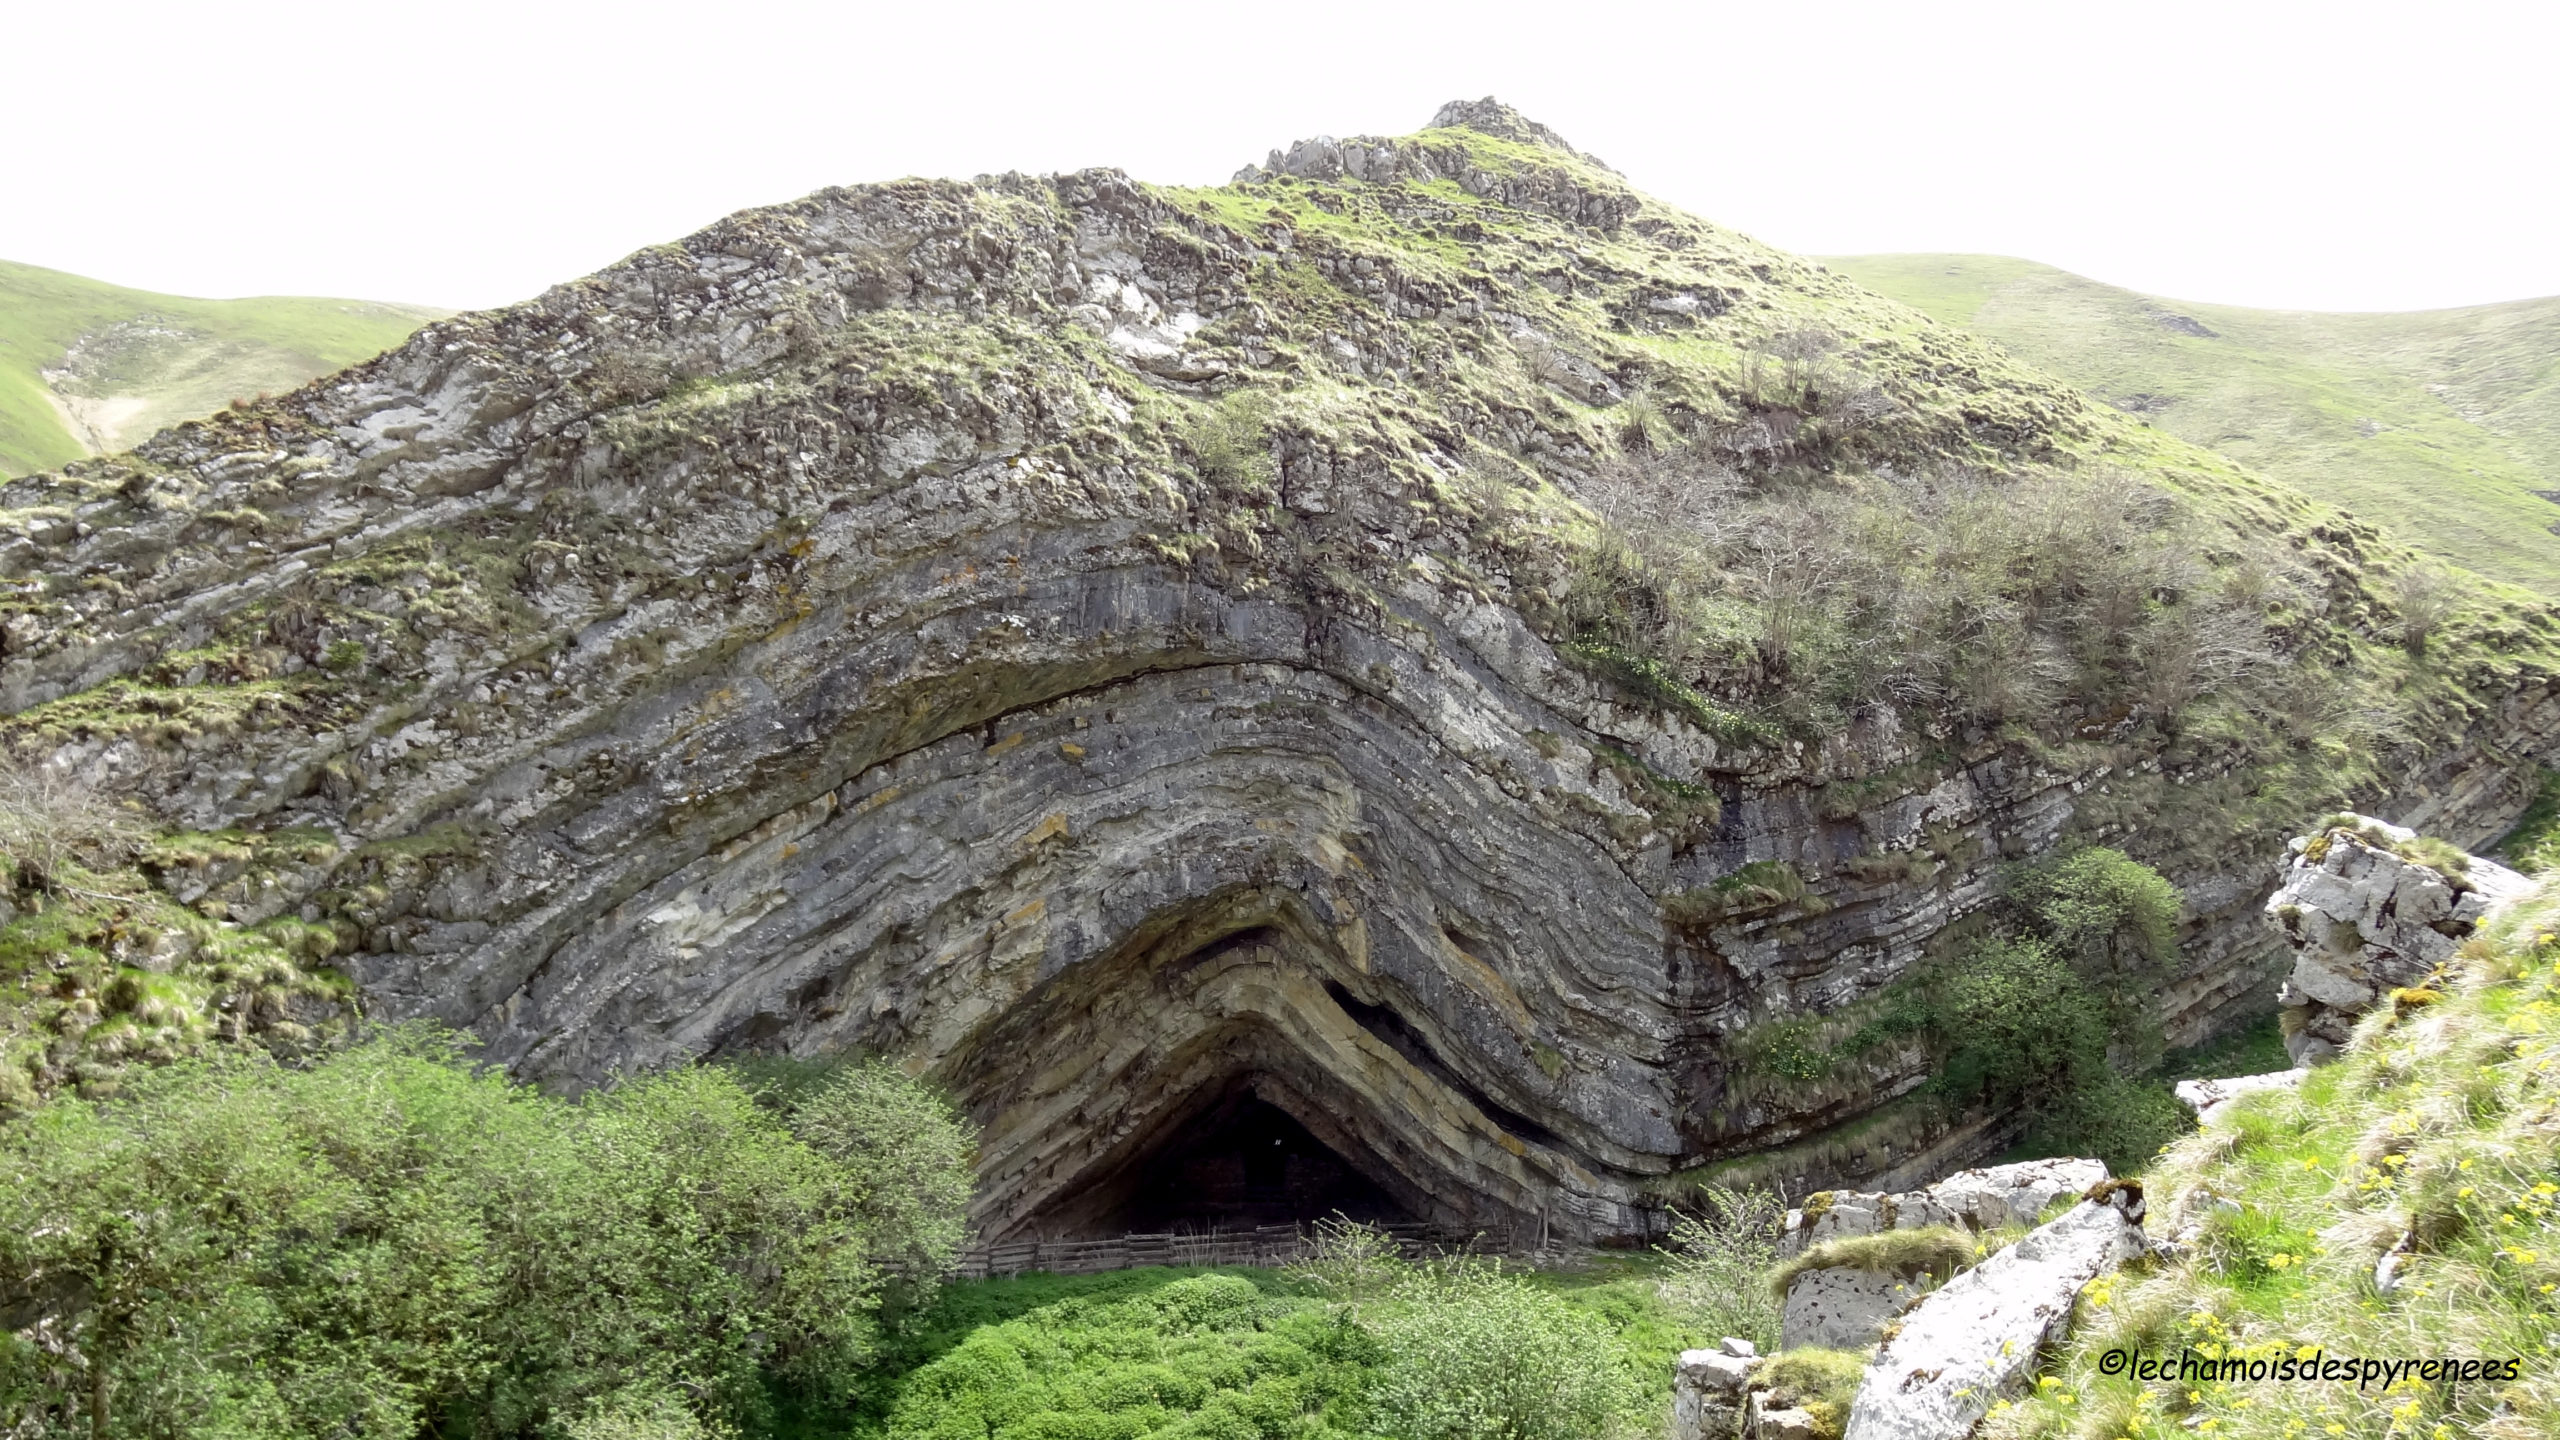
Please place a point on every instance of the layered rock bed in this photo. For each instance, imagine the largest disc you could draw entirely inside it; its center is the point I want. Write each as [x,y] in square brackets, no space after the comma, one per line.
[869,625]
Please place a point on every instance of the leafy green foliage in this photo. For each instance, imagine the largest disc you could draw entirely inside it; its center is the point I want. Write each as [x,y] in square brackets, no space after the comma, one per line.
[2049,1013]
[2115,920]
[1476,1354]
[2016,1024]
[390,1241]
[1357,1343]
[1206,1356]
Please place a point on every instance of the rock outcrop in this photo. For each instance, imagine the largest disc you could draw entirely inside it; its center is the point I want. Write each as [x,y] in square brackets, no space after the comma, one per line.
[2367,908]
[1984,1199]
[1980,1335]
[1114,650]
[1711,1389]
[1848,1305]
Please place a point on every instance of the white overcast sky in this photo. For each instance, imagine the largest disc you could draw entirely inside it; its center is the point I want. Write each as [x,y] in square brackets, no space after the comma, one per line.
[458,152]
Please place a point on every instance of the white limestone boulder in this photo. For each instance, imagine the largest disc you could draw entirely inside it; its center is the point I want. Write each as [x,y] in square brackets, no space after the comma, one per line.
[1983,1199]
[2364,918]
[2211,1099]
[1978,1336]
[1711,1390]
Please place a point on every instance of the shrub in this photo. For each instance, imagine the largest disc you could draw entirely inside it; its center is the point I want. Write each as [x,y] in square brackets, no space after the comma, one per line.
[2101,908]
[52,824]
[1231,442]
[1477,1354]
[2122,1120]
[2017,1026]
[1719,1262]
[2426,596]
[1201,1355]
[2115,920]
[1349,1260]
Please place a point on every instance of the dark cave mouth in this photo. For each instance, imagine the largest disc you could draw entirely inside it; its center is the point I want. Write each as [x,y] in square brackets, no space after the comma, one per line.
[1241,1163]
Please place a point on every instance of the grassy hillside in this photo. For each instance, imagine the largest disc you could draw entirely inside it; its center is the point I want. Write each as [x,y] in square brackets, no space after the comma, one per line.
[2440,425]
[91,368]
[2404,1205]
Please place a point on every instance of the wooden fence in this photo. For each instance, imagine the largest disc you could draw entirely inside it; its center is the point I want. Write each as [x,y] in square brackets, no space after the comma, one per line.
[1262,1245]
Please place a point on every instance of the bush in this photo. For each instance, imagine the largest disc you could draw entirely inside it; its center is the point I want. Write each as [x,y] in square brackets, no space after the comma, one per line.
[1806,598]
[2017,1025]
[391,1241]
[2115,920]
[52,826]
[1720,1261]
[1202,1355]
[2104,910]
[1476,1354]
[2122,1120]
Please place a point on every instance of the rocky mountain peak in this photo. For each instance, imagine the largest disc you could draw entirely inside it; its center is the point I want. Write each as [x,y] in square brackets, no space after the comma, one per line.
[1378,160]
[1489,116]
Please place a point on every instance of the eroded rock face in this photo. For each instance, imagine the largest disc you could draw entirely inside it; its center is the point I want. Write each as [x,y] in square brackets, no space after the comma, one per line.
[2364,918]
[846,629]
[1844,1308]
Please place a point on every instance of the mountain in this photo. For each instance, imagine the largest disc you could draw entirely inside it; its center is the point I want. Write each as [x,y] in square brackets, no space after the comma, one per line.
[1422,670]
[87,368]
[2443,426]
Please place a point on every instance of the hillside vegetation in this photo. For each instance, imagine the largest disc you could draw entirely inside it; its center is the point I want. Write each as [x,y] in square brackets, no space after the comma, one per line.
[90,368]
[395,1242]
[2403,1205]
[2442,426]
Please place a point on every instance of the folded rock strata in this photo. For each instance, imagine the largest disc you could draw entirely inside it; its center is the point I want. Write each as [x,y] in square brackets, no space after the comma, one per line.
[859,626]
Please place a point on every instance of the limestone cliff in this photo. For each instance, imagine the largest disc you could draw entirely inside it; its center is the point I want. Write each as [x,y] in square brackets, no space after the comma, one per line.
[1116,649]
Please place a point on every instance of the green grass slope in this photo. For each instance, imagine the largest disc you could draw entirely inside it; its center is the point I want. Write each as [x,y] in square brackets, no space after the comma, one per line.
[2433,1144]
[2439,425]
[87,367]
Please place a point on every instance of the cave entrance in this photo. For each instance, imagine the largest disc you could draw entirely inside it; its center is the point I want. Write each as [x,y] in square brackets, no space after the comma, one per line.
[1240,1163]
